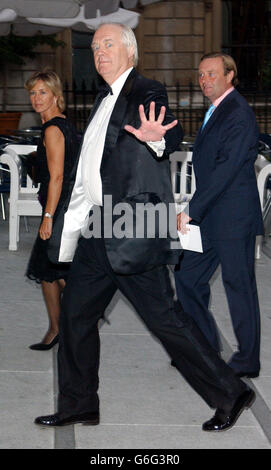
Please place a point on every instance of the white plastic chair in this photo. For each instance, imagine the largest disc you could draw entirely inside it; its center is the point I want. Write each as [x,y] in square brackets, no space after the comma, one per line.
[182,178]
[23,200]
[263,172]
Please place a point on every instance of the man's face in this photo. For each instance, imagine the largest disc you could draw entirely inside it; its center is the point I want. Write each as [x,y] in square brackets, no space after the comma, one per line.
[212,80]
[111,56]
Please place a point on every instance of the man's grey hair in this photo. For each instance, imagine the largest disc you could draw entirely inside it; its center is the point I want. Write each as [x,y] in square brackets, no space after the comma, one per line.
[128,38]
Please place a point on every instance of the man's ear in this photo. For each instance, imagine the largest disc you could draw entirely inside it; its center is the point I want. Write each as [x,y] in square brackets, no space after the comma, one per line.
[131,54]
[230,76]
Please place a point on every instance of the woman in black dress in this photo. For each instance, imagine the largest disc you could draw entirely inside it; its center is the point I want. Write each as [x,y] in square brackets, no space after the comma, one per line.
[56,152]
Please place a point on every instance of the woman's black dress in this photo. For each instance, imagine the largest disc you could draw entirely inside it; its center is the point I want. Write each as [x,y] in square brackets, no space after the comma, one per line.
[40,268]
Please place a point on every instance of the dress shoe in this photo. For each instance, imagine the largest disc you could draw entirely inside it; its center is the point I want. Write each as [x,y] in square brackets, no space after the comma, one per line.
[221,421]
[249,375]
[43,346]
[88,418]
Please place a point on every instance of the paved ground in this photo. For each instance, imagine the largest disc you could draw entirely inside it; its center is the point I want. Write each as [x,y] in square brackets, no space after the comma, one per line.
[145,403]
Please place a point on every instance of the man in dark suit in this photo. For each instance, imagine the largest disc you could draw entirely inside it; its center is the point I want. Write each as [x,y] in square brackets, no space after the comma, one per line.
[123,159]
[226,206]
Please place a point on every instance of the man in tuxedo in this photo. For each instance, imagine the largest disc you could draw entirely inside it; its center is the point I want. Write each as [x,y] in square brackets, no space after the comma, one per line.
[124,158]
[227,208]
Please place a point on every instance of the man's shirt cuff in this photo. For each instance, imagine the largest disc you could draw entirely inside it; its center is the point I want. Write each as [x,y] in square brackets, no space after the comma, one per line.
[158,147]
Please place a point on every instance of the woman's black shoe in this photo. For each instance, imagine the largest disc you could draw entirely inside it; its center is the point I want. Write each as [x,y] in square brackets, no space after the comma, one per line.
[43,346]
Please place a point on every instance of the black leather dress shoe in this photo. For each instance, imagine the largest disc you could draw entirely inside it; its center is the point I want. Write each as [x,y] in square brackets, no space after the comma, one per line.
[221,421]
[89,418]
[249,375]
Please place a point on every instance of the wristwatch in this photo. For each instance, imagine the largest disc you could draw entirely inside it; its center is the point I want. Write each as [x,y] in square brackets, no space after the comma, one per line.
[49,216]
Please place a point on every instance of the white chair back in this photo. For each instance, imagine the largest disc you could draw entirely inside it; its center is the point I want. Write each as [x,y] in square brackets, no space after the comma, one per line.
[23,199]
[182,176]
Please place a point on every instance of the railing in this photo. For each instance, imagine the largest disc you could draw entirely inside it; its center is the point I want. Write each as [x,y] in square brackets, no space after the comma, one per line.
[79,102]
[187,103]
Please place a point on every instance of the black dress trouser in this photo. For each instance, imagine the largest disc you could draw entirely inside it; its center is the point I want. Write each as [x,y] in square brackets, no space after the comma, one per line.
[90,288]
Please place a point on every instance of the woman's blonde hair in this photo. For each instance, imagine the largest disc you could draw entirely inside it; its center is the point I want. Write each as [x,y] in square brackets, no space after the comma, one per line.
[52,80]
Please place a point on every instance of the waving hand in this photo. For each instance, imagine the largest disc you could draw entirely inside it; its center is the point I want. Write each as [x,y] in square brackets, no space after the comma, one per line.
[151,130]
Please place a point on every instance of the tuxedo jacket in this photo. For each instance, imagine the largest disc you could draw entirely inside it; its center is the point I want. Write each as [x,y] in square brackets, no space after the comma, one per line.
[226,202]
[131,173]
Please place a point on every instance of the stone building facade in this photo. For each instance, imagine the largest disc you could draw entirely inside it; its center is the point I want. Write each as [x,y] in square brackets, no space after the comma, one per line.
[173,35]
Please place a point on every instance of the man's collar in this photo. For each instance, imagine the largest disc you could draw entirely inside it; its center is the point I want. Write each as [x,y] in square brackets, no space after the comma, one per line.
[118,84]
[221,98]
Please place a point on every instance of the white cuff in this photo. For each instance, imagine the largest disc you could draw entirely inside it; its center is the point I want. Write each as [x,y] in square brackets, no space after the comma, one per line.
[158,147]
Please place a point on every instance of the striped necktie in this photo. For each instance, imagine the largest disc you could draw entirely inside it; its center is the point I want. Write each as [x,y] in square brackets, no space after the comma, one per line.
[207,115]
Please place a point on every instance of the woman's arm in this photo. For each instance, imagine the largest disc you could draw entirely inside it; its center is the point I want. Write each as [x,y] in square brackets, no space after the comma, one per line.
[55,152]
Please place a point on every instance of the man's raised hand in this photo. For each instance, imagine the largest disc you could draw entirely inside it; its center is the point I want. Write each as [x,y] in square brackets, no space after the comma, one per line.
[151,130]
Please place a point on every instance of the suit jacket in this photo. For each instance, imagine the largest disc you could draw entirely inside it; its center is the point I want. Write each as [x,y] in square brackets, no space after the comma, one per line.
[131,173]
[226,202]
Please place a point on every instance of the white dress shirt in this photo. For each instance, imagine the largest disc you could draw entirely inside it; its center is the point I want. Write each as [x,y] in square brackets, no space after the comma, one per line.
[93,145]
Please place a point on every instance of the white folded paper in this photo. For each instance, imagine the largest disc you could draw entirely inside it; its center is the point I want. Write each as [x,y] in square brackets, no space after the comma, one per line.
[192,239]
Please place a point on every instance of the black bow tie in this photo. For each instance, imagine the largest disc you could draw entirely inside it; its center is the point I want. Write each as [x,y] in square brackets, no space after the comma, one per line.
[104,89]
